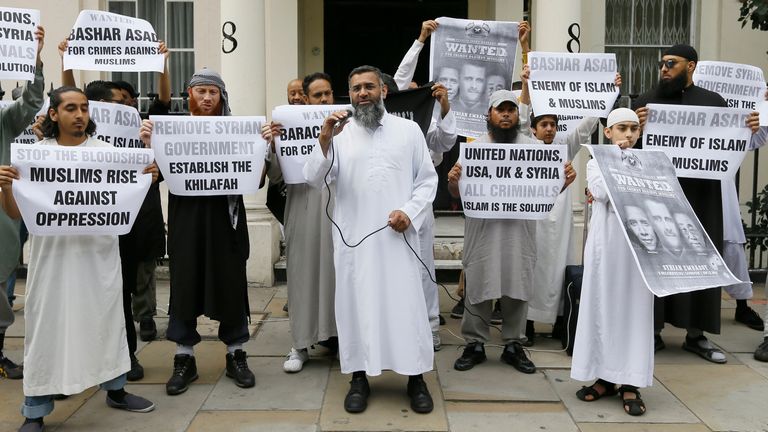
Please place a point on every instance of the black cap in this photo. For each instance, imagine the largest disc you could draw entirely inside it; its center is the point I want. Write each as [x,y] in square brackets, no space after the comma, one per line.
[683,50]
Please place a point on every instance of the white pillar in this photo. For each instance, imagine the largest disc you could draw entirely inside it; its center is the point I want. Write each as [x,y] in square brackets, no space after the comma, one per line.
[243,67]
[550,24]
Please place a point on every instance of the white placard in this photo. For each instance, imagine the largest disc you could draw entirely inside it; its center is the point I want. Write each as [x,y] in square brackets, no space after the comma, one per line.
[572,84]
[79,190]
[209,155]
[762,108]
[116,124]
[701,141]
[18,46]
[301,127]
[742,86]
[510,181]
[105,41]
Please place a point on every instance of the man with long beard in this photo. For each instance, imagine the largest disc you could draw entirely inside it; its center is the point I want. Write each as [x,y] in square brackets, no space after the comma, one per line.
[697,311]
[387,180]
[208,247]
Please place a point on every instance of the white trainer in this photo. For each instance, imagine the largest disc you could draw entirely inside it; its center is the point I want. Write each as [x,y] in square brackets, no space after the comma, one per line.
[295,360]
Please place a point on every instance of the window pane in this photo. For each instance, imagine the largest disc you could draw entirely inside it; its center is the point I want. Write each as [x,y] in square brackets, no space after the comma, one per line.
[127,8]
[618,22]
[622,60]
[645,69]
[182,67]
[677,22]
[180,25]
[154,12]
[647,22]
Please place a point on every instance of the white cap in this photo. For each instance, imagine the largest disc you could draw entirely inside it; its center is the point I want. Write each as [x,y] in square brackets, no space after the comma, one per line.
[621,115]
[500,96]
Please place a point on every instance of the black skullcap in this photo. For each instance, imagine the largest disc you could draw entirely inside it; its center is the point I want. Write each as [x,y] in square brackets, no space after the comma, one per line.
[683,50]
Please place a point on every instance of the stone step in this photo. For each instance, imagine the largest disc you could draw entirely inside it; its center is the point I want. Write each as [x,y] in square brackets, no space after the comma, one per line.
[440,264]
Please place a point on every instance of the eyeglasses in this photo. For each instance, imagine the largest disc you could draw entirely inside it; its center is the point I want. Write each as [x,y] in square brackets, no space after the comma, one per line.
[668,63]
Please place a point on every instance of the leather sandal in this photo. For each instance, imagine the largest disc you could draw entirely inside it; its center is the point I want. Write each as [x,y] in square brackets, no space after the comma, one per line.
[610,390]
[633,407]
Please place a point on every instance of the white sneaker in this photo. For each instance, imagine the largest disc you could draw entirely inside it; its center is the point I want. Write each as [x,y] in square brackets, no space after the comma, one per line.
[436,343]
[295,360]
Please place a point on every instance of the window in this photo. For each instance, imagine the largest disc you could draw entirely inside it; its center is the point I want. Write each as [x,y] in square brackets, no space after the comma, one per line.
[638,31]
[173,21]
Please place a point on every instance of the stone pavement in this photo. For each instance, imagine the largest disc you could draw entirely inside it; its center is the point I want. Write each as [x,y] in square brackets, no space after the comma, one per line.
[689,394]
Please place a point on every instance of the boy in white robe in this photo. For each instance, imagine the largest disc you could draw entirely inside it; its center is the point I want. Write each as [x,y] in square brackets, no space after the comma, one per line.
[614,335]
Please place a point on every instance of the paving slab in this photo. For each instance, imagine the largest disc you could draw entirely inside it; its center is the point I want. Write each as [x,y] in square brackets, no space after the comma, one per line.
[445,301]
[172,413]
[281,292]
[275,308]
[13,348]
[273,339]
[662,406]
[17,328]
[749,360]
[548,353]
[615,427]
[275,389]
[717,393]
[675,354]
[490,381]
[388,406]
[255,421]
[450,332]
[483,417]
[259,297]
[736,337]
[157,359]
[12,396]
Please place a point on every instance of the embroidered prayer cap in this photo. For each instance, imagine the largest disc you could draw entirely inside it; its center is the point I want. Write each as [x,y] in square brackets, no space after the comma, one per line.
[207,76]
[621,115]
[500,96]
[684,51]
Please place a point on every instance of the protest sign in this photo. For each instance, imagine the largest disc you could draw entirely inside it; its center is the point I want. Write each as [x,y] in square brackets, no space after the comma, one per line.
[209,155]
[742,86]
[567,124]
[79,190]
[670,247]
[472,58]
[572,84]
[762,108]
[116,124]
[415,104]
[18,46]
[510,181]
[105,41]
[701,141]
[301,127]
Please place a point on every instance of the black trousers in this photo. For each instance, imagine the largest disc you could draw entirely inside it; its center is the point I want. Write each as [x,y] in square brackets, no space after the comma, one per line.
[184,332]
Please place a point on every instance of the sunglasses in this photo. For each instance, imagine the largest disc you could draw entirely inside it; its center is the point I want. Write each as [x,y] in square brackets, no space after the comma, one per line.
[668,63]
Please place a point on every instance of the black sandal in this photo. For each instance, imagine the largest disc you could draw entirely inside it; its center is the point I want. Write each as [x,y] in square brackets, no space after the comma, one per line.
[610,390]
[633,407]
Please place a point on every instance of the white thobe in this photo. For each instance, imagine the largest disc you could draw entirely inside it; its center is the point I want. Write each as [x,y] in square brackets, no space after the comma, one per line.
[614,334]
[75,331]
[554,237]
[381,315]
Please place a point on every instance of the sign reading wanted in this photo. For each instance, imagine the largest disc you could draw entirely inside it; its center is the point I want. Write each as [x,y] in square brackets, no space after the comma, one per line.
[301,128]
[702,142]
[79,190]
[742,86]
[572,84]
[670,247]
[472,58]
[105,41]
[18,46]
[209,155]
[510,181]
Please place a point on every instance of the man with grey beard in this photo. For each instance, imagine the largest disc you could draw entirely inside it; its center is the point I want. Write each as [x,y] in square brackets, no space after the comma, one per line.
[383,193]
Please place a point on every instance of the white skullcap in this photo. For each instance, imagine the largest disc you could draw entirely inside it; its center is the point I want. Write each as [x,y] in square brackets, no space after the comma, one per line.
[621,115]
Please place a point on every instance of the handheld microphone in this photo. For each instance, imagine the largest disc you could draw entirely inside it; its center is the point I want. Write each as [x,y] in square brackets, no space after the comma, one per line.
[350,112]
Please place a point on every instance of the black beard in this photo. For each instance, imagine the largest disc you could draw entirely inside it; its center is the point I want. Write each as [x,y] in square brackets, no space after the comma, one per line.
[672,88]
[370,115]
[501,135]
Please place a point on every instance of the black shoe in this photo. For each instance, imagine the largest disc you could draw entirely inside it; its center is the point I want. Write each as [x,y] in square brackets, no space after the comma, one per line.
[132,403]
[137,371]
[700,345]
[530,334]
[32,425]
[458,309]
[442,320]
[750,318]
[184,372]
[513,354]
[356,400]
[761,353]
[237,369]
[9,369]
[496,314]
[421,400]
[474,354]
[147,329]
[658,343]
[331,344]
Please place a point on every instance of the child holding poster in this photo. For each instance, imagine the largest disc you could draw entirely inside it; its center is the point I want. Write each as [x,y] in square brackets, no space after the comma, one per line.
[614,335]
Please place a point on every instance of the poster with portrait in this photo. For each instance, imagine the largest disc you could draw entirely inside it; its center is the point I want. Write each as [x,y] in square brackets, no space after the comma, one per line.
[472,58]
[671,248]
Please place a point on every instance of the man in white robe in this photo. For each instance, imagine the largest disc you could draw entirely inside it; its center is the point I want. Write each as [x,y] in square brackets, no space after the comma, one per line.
[384,178]
[60,356]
